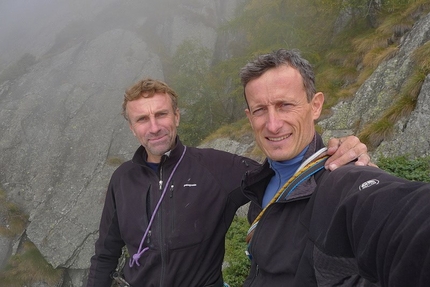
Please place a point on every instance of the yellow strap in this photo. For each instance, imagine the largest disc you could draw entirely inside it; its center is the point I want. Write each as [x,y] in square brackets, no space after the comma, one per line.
[280,191]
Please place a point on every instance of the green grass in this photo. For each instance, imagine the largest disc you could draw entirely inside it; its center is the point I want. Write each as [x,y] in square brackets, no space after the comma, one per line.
[16,220]
[29,267]
[233,131]
[402,166]
[238,263]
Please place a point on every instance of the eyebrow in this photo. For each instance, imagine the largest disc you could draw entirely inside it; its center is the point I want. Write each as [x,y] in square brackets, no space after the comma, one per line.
[163,111]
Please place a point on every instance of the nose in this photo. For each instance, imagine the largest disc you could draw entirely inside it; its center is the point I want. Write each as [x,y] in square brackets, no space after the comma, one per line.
[154,126]
[273,122]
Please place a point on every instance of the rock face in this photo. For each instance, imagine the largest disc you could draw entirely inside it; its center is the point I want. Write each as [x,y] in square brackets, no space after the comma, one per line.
[412,136]
[378,92]
[62,130]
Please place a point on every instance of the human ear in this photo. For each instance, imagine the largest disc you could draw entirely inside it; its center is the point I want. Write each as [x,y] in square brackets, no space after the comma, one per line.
[317,105]
[131,128]
[177,117]
[248,115]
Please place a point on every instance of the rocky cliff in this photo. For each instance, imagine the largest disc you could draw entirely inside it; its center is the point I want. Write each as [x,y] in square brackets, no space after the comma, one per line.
[381,89]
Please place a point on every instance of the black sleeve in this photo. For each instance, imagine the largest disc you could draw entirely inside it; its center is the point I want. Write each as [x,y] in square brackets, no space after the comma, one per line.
[372,224]
[108,247]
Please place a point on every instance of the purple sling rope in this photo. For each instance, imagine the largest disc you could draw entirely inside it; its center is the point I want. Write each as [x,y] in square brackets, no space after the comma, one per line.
[136,256]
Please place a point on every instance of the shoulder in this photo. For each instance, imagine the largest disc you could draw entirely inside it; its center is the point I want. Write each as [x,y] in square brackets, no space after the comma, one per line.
[352,172]
[125,169]
[214,156]
[352,180]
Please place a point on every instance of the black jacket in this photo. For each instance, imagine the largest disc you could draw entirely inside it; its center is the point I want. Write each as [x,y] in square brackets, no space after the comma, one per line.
[186,240]
[356,226]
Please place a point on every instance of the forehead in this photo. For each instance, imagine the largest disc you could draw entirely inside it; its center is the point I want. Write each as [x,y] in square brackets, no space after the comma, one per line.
[275,83]
[148,104]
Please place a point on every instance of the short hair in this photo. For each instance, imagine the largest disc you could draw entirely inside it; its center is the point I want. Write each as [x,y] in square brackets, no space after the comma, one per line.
[289,58]
[146,88]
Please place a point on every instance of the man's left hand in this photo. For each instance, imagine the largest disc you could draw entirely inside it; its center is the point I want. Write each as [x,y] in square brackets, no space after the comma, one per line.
[346,149]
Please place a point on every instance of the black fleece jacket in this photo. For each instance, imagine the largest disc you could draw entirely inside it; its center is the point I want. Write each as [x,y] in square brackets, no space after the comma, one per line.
[356,226]
[186,239]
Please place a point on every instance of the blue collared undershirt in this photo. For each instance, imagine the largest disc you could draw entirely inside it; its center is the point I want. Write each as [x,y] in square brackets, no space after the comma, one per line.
[284,170]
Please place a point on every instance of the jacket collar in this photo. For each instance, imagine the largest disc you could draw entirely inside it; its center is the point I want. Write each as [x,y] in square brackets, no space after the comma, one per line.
[256,181]
[141,155]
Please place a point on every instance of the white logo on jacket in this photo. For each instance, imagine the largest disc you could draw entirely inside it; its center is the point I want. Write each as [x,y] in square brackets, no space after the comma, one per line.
[368,183]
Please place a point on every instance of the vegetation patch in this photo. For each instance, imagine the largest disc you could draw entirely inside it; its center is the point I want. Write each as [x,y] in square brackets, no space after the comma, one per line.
[234,131]
[238,264]
[402,166]
[114,161]
[13,219]
[29,267]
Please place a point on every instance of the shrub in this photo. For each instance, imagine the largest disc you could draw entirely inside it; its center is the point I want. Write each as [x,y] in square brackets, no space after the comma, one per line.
[413,169]
[238,263]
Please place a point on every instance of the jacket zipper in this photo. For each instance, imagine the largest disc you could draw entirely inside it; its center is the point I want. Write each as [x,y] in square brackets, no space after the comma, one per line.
[148,240]
[148,205]
[171,189]
[172,207]
[257,268]
[160,225]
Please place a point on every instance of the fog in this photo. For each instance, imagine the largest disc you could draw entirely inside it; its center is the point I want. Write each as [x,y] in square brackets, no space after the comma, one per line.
[31,26]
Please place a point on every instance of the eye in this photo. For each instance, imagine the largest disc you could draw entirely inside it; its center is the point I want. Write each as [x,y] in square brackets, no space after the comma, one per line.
[258,112]
[142,119]
[284,106]
[161,114]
